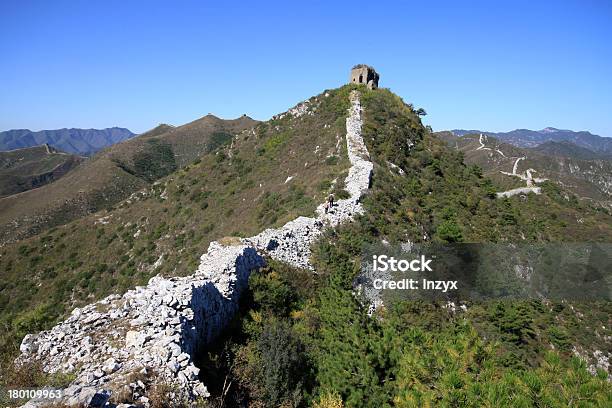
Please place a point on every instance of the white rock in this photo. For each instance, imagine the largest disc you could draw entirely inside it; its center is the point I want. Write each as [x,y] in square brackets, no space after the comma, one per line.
[110,366]
[27,344]
[201,391]
[135,338]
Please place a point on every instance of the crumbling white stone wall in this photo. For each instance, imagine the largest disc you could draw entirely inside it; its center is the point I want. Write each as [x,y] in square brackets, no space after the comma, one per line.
[520,190]
[158,328]
[291,243]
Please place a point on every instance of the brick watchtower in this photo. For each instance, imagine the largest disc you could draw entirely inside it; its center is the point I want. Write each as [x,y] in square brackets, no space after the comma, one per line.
[364,74]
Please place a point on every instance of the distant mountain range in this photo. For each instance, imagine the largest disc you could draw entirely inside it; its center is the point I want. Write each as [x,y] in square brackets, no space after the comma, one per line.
[533,138]
[569,149]
[76,141]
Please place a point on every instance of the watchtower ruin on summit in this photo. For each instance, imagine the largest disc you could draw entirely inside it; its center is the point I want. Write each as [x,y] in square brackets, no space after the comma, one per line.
[364,74]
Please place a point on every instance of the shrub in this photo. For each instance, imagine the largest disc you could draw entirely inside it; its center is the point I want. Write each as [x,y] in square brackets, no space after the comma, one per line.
[330,400]
[331,160]
[271,292]
[449,231]
[283,364]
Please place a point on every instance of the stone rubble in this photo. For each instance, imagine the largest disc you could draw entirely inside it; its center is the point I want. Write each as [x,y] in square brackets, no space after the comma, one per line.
[301,109]
[598,360]
[157,329]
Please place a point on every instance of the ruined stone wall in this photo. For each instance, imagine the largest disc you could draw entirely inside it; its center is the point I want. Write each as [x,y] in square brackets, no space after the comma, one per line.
[157,329]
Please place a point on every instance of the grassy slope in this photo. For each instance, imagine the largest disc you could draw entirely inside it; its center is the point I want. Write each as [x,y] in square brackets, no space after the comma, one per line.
[32,167]
[236,190]
[112,175]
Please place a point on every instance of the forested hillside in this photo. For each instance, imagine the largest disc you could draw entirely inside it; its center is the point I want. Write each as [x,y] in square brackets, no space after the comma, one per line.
[586,177]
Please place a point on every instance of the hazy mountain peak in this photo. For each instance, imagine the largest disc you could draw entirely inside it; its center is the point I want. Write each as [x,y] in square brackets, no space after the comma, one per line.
[70,140]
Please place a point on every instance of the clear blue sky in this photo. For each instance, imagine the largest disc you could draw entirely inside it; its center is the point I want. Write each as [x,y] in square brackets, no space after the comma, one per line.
[490,65]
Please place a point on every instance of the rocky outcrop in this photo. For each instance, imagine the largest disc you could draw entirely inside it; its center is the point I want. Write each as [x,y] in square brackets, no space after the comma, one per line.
[156,329]
[596,360]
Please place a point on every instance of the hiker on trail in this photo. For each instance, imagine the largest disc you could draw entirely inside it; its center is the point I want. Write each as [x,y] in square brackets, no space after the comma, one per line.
[326,207]
[330,200]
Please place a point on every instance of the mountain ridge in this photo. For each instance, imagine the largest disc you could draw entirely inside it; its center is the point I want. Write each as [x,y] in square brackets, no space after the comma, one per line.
[566,148]
[587,178]
[225,267]
[114,173]
[71,140]
[533,138]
